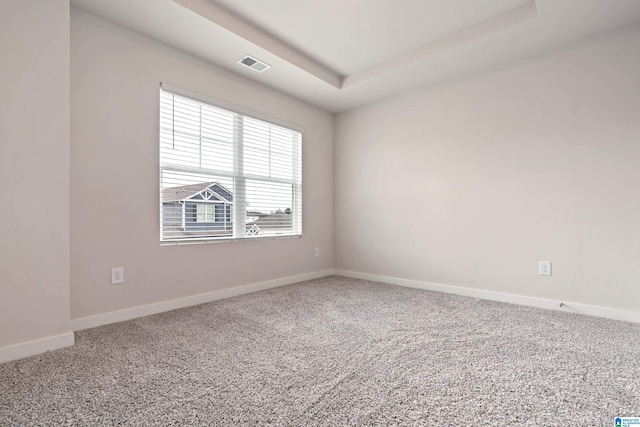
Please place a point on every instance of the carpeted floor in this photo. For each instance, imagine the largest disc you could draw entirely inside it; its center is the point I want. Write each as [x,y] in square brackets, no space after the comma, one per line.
[335,352]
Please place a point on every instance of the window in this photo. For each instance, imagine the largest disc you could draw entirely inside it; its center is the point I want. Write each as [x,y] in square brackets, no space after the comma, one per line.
[205,213]
[225,175]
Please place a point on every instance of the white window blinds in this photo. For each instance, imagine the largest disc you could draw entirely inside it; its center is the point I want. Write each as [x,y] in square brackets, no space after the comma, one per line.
[225,175]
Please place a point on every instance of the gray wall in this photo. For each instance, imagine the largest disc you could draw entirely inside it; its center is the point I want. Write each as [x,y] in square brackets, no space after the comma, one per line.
[34,173]
[489,176]
[114,188]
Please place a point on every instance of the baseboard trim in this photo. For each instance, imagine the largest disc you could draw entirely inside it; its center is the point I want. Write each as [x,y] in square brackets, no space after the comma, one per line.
[35,347]
[567,306]
[160,307]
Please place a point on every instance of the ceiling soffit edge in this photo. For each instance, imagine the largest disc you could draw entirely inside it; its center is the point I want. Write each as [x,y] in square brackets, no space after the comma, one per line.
[464,35]
[225,18]
[228,20]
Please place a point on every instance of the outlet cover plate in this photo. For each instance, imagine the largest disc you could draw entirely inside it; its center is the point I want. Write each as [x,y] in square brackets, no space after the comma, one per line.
[117,275]
[544,268]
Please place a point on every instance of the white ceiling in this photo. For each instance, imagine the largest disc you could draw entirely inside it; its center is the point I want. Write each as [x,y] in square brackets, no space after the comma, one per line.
[341,54]
[350,35]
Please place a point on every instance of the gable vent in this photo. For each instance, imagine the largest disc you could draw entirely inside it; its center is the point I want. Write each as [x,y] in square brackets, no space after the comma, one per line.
[254,64]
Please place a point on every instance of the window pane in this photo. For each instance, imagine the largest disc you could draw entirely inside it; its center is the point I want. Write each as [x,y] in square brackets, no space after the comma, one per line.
[270,207]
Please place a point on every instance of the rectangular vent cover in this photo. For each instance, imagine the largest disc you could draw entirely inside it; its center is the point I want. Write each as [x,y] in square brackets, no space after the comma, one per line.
[254,64]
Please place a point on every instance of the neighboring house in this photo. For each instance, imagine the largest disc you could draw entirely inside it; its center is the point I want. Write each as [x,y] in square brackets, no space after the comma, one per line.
[253,216]
[197,207]
[271,223]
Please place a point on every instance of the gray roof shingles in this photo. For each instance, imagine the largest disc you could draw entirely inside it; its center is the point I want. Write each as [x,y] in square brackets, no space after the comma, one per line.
[176,194]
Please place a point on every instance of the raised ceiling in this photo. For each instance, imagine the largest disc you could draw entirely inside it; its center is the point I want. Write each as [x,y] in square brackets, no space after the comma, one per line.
[341,54]
[350,35]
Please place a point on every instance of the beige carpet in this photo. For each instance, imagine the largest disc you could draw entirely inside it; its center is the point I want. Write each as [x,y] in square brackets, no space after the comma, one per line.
[335,352]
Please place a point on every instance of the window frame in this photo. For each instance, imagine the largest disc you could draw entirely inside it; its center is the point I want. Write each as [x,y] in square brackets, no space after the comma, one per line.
[239,233]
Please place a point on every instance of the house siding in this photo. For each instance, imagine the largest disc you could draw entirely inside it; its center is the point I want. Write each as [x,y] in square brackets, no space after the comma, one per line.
[172,214]
[191,223]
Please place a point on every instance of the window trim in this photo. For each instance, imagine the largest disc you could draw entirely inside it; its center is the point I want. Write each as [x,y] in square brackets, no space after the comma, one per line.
[254,115]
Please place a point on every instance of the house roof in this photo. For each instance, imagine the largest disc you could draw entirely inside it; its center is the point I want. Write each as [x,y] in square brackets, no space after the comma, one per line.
[183,192]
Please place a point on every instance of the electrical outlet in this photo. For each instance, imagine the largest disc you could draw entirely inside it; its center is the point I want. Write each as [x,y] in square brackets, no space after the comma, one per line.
[544,268]
[117,275]
[317,252]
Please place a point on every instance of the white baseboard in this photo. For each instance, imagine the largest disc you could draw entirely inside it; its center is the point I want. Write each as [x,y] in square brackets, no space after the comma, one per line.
[32,348]
[566,306]
[146,310]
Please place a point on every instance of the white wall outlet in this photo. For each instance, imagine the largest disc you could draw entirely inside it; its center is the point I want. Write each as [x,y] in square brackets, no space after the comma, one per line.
[544,268]
[117,275]
[317,251]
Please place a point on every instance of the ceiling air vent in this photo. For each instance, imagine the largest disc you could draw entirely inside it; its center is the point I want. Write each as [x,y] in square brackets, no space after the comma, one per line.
[253,63]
